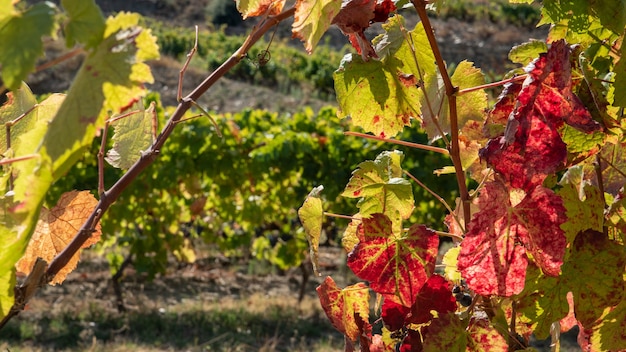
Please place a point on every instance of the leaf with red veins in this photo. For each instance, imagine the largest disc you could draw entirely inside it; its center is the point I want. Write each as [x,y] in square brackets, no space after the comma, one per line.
[343,305]
[253,8]
[397,266]
[435,295]
[353,18]
[483,336]
[446,333]
[526,164]
[493,256]
[499,115]
[594,272]
[365,332]
[394,314]
[532,146]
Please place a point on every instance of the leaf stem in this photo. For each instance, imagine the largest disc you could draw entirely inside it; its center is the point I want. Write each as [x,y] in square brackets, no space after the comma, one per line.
[451,91]
[492,85]
[400,142]
[103,143]
[19,158]
[339,216]
[438,197]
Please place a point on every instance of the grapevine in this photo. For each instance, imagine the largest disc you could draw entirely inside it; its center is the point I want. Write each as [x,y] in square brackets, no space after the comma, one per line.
[539,222]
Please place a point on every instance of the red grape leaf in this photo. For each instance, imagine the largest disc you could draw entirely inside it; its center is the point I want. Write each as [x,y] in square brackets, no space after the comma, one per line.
[435,295]
[499,115]
[341,306]
[353,18]
[365,332]
[493,255]
[412,342]
[484,337]
[594,273]
[397,266]
[531,147]
[394,314]
[446,333]
[56,229]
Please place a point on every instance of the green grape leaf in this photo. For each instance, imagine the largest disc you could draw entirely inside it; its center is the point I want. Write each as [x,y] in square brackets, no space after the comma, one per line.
[312,215]
[616,217]
[312,19]
[133,136]
[86,24]
[610,333]
[483,336]
[620,79]
[542,302]
[19,102]
[252,8]
[22,41]
[584,207]
[612,14]
[341,306]
[383,96]
[527,52]
[446,333]
[612,166]
[381,188]
[594,273]
[112,76]
[470,106]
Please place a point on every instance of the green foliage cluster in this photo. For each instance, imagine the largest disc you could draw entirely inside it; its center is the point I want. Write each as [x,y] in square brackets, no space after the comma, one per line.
[500,11]
[290,70]
[240,191]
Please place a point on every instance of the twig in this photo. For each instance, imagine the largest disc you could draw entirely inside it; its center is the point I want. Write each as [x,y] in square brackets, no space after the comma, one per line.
[181,73]
[58,60]
[109,197]
[103,143]
[438,197]
[399,142]
[451,91]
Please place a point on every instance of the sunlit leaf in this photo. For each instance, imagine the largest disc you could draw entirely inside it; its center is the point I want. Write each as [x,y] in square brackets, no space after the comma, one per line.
[433,300]
[132,137]
[484,337]
[493,255]
[527,52]
[312,215]
[22,42]
[252,8]
[56,228]
[382,189]
[446,333]
[610,333]
[594,273]
[382,96]
[312,19]
[342,305]
[86,23]
[470,106]
[396,266]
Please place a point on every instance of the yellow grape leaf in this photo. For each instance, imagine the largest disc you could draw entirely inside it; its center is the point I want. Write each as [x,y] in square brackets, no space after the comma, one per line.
[350,238]
[18,102]
[312,19]
[311,214]
[55,230]
[450,261]
[252,8]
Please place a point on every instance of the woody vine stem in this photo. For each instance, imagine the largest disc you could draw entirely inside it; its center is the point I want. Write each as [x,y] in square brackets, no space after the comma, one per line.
[38,278]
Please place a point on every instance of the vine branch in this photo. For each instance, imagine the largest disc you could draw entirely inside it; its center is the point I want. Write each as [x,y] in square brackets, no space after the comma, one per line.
[147,158]
[451,92]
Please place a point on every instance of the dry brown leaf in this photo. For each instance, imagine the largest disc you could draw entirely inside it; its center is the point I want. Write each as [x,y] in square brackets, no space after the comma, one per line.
[56,228]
